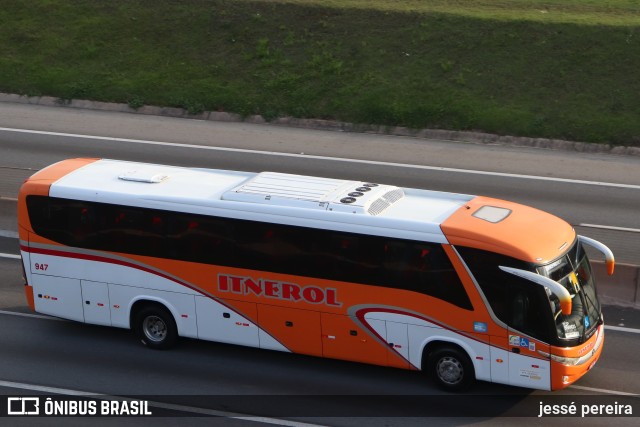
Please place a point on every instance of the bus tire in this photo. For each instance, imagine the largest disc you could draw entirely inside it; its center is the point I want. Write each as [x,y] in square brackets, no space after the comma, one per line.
[155,327]
[451,368]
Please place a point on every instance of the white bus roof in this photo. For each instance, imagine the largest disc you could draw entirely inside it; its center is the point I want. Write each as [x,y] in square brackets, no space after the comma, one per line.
[269,196]
[479,222]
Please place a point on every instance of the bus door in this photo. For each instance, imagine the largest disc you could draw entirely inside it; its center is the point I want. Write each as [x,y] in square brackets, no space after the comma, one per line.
[527,368]
[398,341]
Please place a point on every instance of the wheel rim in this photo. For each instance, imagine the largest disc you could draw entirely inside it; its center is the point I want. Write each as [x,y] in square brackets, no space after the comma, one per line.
[450,370]
[155,329]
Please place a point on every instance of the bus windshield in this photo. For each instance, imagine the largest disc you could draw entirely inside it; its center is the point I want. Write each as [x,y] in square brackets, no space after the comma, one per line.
[573,271]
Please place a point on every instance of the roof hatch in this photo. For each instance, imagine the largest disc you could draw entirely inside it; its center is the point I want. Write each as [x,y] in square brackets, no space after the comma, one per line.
[492,213]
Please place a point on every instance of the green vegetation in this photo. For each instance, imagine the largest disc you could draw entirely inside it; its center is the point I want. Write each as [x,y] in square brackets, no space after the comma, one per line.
[558,68]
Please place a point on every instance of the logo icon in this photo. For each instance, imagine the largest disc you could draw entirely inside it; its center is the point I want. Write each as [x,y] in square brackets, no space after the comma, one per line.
[23,406]
[480,327]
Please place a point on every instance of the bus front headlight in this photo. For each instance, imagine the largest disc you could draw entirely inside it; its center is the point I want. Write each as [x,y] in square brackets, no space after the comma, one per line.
[569,361]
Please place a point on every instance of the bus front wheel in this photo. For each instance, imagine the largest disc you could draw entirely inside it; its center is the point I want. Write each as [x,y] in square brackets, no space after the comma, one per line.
[451,369]
[155,327]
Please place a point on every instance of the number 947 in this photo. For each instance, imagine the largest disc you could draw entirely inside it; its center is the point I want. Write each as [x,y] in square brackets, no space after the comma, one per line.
[41,267]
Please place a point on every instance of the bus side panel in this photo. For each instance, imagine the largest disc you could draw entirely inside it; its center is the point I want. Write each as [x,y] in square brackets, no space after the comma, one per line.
[298,330]
[526,367]
[219,323]
[181,306]
[58,296]
[94,266]
[26,268]
[530,372]
[51,265]
[499,359]
[343,339]
[398,342]
[421,331]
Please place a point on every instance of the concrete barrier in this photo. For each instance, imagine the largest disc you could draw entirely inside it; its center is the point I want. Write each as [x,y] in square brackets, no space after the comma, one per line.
[623,288]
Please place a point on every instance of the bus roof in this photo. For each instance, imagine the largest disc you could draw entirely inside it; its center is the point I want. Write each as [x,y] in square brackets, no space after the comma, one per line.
[508,228]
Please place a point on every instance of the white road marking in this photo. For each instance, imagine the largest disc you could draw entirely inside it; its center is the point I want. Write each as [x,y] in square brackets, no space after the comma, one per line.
[604,391]
[46,389]
[10,256]
[610,227]
[334,159]
[9,233]
[153,404]
[621,329]
[35,316]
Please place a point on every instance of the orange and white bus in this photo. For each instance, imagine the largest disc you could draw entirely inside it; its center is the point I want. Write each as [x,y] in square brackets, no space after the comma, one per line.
[461,286]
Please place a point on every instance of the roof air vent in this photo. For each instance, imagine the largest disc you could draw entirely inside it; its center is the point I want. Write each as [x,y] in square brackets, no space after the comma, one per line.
[394,195]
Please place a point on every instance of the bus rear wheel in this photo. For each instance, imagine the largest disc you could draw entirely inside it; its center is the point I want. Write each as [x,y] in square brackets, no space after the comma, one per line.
[155,327]
[451,369]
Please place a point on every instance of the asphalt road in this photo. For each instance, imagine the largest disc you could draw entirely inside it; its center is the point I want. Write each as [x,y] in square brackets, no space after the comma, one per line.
[70,357]
[601,190]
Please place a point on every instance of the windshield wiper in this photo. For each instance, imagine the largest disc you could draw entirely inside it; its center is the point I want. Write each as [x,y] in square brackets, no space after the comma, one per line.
[592,304]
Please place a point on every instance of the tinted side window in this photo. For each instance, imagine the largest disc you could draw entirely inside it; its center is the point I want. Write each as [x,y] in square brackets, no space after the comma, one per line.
[519,303]
[335,255]
[199,238]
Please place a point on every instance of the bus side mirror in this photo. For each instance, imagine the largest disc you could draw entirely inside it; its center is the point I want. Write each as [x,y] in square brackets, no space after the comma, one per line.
[608,255]
[560,291]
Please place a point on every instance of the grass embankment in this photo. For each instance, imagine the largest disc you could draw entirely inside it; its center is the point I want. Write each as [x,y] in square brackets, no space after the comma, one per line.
[558,68]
